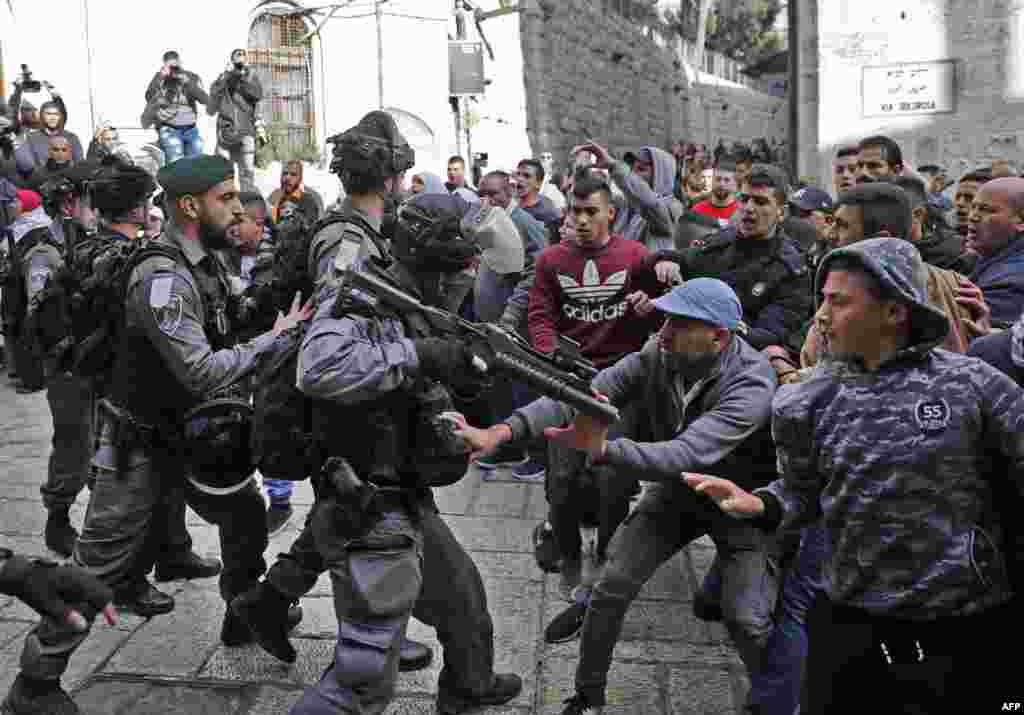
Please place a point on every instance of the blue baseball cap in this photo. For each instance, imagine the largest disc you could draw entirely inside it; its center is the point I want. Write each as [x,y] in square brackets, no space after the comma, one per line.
[706,299]
[811,199]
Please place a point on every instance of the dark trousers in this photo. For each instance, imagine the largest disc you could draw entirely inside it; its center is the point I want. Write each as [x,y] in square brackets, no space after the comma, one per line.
[954,664]
[666,520]
[71,407]
[408,564]
[126,521]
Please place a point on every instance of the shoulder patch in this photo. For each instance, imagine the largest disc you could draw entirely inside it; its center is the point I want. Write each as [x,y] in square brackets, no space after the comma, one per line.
[168,317]
[160,291]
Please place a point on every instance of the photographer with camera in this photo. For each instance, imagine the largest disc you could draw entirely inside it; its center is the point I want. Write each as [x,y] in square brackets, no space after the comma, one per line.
[34,150]
[171,107]
[234,96]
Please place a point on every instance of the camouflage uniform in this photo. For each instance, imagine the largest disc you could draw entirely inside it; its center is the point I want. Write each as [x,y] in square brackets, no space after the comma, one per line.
[901,465]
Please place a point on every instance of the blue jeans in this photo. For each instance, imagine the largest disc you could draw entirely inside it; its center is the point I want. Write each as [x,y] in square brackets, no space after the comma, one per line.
[177,142]
[777,686]
[279,491]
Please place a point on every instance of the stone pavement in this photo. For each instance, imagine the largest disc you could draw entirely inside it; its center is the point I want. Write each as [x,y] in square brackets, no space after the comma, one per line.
[666,663]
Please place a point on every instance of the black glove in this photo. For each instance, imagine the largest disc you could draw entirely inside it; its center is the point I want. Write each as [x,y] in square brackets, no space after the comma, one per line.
[53,590]
[449,362]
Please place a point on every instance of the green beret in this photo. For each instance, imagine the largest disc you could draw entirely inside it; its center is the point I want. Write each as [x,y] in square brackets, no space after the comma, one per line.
[195,175]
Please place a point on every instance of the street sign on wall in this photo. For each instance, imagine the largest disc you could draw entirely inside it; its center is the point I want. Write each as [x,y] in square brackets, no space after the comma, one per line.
[466,67]
[909,88]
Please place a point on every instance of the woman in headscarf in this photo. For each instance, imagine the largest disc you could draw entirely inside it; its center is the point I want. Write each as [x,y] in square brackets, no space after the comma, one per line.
[428,183]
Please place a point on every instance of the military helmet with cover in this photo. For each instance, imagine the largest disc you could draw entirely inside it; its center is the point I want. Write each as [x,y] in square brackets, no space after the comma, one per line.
[118,187]
[374,149]
[428,234]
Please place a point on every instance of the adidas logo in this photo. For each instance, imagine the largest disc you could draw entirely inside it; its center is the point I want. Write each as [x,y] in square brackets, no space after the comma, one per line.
[588,299]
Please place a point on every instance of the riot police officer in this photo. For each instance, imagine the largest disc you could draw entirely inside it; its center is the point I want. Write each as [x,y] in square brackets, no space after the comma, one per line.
[386,379]
[176,342]
[370,159]
[119,193]
[63,594]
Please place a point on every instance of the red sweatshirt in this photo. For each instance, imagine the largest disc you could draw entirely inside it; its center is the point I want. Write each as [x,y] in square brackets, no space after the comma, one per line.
[581,294]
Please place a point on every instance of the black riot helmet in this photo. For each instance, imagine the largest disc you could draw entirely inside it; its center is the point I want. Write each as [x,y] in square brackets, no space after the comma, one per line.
[369,153]
[218,441]
[119,187]
[74,181]
[427,236]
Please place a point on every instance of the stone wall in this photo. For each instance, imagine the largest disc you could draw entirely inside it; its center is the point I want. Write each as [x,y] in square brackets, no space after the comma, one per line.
[984,37]
[592,75]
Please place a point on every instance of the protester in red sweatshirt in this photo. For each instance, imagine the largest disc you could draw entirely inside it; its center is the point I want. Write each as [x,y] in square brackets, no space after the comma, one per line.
[594,288]
[589,289]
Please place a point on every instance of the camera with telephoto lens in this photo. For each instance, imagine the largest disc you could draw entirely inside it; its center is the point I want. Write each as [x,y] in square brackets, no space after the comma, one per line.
[27,83]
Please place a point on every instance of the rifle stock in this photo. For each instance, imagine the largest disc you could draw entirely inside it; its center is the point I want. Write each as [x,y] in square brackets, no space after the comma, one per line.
[564,375]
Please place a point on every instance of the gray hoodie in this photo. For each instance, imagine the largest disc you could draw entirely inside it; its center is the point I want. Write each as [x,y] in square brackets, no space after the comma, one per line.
[718,424]
[905,464]
[651,214]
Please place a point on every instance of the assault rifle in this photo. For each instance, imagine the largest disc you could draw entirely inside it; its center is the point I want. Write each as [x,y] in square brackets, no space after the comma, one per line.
[563,375]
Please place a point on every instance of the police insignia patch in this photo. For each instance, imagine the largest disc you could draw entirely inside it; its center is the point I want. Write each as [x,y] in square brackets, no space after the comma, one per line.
[758,290]
[166,307]
[932,415]
[37,279]
[168,318]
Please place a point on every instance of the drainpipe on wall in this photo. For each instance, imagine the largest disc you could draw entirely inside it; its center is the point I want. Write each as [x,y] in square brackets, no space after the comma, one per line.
[795,90]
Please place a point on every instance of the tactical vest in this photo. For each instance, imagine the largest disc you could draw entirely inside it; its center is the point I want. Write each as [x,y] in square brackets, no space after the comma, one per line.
[320,246]
[396,440]
[142,383]
[14,289]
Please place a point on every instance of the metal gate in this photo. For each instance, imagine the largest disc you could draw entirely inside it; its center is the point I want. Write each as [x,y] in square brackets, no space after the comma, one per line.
[284,65]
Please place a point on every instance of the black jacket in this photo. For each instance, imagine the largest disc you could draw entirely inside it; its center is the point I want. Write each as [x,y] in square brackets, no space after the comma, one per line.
[235,95]
[944,248]
[770,278]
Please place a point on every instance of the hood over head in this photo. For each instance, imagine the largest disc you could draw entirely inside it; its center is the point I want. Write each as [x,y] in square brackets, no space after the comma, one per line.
[898,266]
[664,169]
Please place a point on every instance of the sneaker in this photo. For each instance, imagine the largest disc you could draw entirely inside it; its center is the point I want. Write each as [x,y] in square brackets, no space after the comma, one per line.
[504,687]
[529,471]
[579,705]
[278,518]
[545,550]
[566,625]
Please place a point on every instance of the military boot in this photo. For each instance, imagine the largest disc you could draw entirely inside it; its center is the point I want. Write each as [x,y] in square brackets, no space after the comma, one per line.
[60,536]
[504,687]
[28,697]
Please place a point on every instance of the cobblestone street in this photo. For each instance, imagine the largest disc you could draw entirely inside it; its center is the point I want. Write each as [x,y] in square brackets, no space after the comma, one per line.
[667,661]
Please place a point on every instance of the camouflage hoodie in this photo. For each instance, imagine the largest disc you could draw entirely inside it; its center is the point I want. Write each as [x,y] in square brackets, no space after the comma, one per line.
[903,462]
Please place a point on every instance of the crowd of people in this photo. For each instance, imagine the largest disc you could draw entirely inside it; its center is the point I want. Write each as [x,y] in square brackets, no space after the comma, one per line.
[824,380]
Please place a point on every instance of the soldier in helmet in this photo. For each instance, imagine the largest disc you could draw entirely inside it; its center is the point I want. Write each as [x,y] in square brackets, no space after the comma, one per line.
[119,194]
[387,380]
[175,341]
[370,158]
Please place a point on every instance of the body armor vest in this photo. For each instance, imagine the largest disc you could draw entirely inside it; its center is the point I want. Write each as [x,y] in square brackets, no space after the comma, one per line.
[141,381]
[398,439]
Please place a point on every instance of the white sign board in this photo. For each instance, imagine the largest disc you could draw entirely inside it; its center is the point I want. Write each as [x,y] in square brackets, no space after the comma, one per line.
[917,88]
